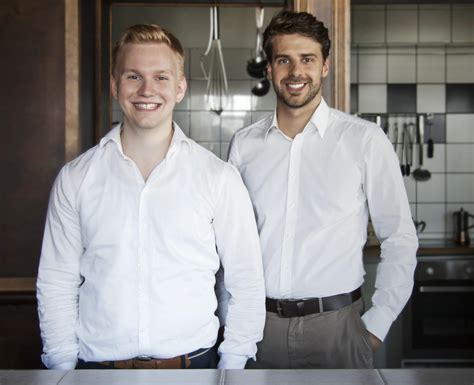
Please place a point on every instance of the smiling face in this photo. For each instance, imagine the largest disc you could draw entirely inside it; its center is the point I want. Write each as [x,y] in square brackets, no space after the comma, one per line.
[296,70]
[147,84]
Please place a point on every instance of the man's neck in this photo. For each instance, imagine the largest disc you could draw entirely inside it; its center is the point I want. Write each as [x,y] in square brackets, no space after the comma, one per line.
[292,121]
[146,147]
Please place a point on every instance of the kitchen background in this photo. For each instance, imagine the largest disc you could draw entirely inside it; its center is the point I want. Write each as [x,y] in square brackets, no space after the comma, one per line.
[419,59]
[406,60]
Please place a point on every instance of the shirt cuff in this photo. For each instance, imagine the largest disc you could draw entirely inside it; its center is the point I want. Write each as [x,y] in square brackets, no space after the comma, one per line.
[64,366]
[377,322]
[232,361]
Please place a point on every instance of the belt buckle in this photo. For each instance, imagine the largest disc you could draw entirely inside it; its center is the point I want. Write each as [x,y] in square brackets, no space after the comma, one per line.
[279,309]
[143,358]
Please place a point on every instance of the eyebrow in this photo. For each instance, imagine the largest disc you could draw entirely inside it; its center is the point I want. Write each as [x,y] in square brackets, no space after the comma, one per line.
[300,55]
[125,70]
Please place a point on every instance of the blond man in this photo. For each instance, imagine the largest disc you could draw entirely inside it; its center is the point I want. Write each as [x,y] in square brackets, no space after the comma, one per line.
[137,228]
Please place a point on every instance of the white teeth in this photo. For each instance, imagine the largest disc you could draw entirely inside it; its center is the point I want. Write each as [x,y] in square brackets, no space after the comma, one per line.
[146,106]
[296,85]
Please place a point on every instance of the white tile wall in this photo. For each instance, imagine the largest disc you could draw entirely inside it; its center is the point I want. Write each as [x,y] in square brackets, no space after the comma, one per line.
[235,60]
[197,90]
[462,23]
[431,66]
[263,103]
[402,68]
[205,126]
[239,95]
[459,128]
[402,24]
[460,68]
[410,186]
[232,121]
[373,98]
[354,66]
[373,66]
[438,162]
[460,158]
[431,98]
[460,188]
[183,120]
[258,115]
[224,150]
[432,190]
[441,38]
[433,26]
[434,214]
[368,24]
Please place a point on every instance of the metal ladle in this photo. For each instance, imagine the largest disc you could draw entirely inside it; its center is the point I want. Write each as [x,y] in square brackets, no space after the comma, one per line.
[421,174]
[256,66]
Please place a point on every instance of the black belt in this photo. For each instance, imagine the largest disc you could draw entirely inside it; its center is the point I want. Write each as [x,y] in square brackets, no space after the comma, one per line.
[299,308]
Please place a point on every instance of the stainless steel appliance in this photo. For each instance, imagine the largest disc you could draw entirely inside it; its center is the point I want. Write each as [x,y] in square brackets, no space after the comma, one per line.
[439,319]
[461,227]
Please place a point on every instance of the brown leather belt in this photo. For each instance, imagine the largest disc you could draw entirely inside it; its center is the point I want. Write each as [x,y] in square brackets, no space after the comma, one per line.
[146,362]
[299,308]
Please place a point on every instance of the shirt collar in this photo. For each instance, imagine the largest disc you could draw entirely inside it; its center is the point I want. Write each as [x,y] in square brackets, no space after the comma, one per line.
[114,136]
[319,120]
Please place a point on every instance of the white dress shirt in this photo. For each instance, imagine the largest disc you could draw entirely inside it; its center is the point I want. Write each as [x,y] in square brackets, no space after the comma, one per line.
[311,196]
[128,267]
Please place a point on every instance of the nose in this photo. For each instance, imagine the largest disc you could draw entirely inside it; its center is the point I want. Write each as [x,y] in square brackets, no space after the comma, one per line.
[146,88]
[295,69]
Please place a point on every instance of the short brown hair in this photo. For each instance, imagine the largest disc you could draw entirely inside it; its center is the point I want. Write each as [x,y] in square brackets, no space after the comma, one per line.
[147,33]
[287,22]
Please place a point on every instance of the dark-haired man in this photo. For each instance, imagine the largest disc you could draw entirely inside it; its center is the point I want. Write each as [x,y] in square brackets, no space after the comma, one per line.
[313,173]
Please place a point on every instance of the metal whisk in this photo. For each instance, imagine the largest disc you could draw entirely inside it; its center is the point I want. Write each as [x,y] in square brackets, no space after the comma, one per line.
[217,89]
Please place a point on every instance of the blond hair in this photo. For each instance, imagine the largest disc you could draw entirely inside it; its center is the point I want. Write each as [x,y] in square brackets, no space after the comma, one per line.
[147,33]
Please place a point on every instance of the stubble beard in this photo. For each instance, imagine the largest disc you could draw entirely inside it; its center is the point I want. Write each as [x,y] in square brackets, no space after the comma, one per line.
[286,100]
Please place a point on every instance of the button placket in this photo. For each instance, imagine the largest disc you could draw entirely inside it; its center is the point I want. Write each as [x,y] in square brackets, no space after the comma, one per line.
[290,217]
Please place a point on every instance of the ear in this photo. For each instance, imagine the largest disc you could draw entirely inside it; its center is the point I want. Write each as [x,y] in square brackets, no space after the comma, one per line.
[114,87]
[181,89]
[269,71]
[325,69]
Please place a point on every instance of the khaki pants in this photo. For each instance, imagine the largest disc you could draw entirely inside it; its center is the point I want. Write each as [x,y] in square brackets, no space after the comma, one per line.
[334,339]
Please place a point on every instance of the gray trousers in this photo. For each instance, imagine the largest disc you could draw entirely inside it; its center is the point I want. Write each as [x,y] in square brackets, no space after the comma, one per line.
[330,340]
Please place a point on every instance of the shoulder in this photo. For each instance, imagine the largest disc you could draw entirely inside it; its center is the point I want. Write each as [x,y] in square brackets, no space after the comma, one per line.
[254,131]
[205,160]
[354,126]
[74,171]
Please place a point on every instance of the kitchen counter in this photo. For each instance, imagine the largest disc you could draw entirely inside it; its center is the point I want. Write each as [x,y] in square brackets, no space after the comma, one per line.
[237,377]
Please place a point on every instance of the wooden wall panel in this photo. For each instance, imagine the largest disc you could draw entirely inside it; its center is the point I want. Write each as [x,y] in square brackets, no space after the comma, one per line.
[32,110]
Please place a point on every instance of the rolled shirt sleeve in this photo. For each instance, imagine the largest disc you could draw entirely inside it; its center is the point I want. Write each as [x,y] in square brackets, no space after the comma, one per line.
[238,246]
[59,278]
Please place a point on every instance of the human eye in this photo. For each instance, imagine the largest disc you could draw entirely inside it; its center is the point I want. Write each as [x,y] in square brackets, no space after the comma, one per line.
[133,77]
[283,60]
[162,78]
[308,59]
